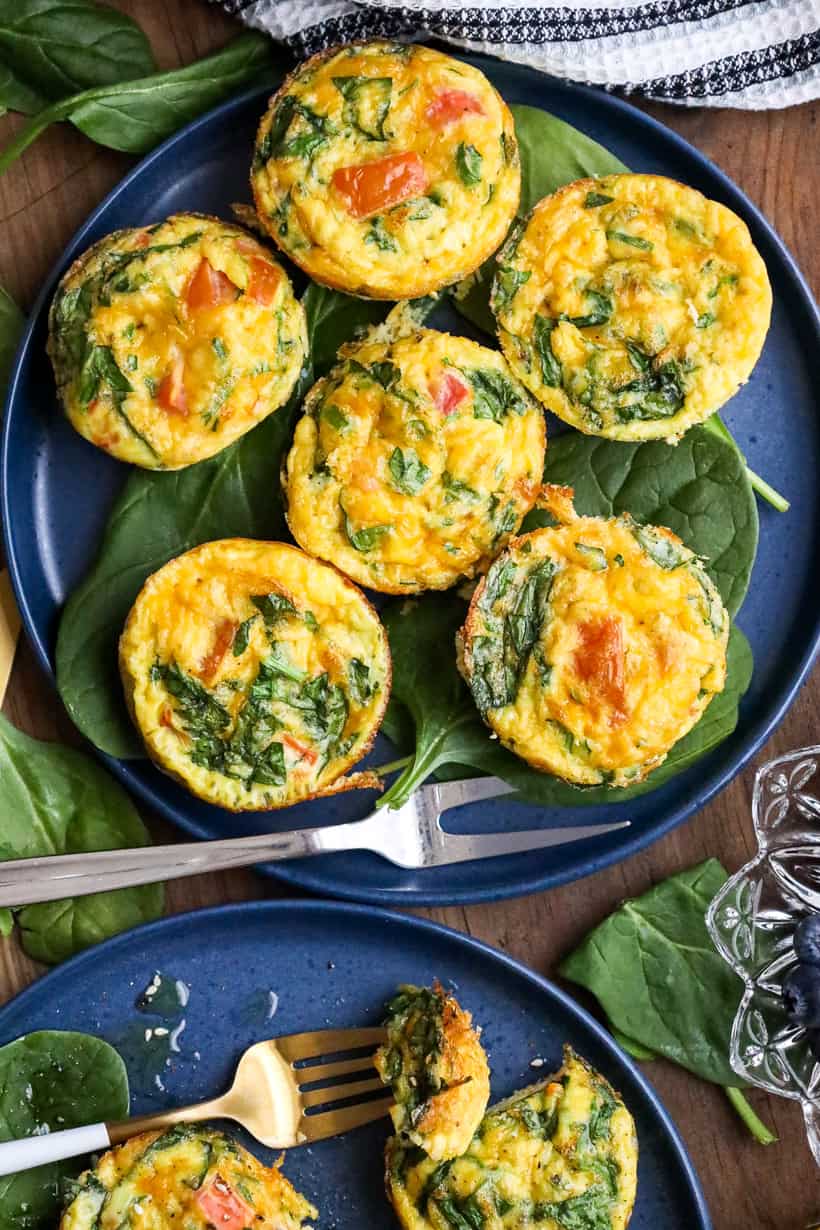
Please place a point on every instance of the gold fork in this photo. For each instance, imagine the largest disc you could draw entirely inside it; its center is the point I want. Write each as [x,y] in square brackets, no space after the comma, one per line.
[287,1091]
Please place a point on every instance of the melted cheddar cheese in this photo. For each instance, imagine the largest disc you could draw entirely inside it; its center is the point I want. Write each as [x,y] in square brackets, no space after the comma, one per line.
[169,342]
[561,1155]
[187,1177]
[256,675]
[386,170]
[414,462]
[592,647]
[631,306]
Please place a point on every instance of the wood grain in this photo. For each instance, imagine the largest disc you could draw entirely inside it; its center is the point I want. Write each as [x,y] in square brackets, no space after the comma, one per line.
[42,201]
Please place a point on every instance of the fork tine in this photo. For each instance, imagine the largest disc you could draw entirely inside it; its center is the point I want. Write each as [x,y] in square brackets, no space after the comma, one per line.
[334,1122]
[332,1071]
[339,1093]
[296,1047]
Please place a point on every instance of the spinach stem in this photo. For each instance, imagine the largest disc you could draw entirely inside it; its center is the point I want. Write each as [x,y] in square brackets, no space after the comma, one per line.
[382,770]
[767,492]
[755,1125]
[28,135]
[718,428]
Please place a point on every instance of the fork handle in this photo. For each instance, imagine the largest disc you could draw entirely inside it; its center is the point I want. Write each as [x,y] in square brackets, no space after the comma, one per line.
[31,1151]
[25,881]
[17,1155]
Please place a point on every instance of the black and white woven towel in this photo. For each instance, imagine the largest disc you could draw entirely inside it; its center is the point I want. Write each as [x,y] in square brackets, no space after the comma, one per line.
[715,53]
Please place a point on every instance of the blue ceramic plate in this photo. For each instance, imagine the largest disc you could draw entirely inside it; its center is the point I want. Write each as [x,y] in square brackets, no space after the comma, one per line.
[56,491]
[319,965]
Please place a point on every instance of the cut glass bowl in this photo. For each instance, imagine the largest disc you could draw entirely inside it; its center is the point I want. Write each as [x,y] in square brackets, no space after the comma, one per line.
[752,921]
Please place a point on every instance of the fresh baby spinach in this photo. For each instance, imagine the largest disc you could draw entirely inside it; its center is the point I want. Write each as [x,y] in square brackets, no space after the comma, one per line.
[135,115]
[160,515]
[55,800]
[53,48]
[53,1080]
[698,488]
[652,967]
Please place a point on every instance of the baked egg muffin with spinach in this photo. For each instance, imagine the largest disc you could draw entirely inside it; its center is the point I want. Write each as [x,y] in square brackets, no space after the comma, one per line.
[592,646]
[187,1177]
[561,1155]
[414,462]
[436,1065]
[169,342]
[256,675]
[631,306]
[386,170]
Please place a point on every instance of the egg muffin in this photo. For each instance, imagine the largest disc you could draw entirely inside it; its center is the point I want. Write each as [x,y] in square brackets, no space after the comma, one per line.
[561,1155]
[256,675]
[169,342]
[414,462]
[631,306]
[436,1065]
[187,1176]
[386,170]
[592,646]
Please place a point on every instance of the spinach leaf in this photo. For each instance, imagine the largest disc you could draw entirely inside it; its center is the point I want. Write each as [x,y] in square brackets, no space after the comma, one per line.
[468,164]
[134,116]
[12,322]
[698,488]
[514,603]
[64,1080]
[655,972]
[432,716]
[367,102]
[716,425]
[160,515]
[366,537]
[552,154]
[494,395]
[408,471]
[380,236]
[51,48]
[550,363]
[56,800]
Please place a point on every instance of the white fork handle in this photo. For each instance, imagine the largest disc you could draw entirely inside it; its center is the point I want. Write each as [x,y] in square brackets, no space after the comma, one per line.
[16,1155]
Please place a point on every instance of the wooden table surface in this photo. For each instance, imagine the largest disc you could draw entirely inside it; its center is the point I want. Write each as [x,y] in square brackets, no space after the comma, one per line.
[46,196]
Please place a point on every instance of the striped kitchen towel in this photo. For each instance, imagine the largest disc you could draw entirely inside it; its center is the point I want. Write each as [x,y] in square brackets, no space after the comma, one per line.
[715,53]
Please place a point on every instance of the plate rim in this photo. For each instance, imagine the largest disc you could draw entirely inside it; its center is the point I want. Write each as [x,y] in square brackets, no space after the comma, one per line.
[300,872]
[394,920]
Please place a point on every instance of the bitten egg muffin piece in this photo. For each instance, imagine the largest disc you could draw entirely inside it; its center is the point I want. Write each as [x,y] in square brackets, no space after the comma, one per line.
[631,306]
[414,462]
[256,675]
[386,170]
[169,342]
[592,646]
[560,1155]
[436,1065]
[188,1177]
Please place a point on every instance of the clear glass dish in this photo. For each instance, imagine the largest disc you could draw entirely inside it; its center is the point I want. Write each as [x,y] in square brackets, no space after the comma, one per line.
[752,921]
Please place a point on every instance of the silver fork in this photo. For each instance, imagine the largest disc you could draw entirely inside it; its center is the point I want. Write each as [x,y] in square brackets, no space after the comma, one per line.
[409,836]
